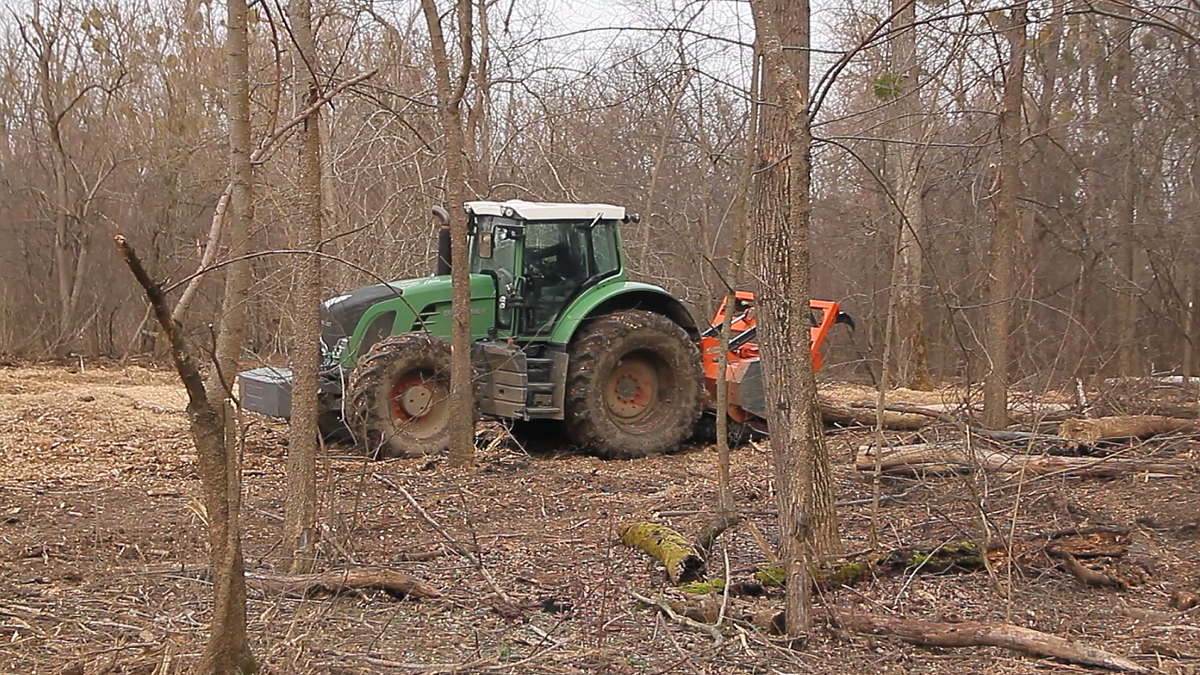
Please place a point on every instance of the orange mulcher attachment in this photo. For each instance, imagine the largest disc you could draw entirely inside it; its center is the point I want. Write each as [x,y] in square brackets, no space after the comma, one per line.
[747,395]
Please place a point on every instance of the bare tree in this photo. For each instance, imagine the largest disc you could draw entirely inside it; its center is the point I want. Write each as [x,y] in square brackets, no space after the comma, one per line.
[1125,122]
[783,209]
[907,173]
[228,650]
[300,507]
[1008,222]
[46,37]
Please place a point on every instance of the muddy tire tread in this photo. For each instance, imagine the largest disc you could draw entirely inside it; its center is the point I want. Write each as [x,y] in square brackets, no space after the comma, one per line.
[367,384]
[587,427]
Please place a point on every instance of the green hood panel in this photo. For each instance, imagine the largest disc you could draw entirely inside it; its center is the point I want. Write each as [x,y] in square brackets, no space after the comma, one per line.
[421,304]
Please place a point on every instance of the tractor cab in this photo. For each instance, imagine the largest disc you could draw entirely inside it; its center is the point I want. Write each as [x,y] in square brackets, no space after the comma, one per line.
[541,257]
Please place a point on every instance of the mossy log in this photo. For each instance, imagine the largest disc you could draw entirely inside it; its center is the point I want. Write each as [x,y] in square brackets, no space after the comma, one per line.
[1131,426]
[950,458]
[951,557]
[336,582]
[672,549]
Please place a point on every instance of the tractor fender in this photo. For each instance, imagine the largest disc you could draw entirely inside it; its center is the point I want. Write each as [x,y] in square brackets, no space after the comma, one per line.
[616,296]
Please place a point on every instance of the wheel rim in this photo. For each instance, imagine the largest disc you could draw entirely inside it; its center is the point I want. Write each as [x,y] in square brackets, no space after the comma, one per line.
[419,404]
[635,388]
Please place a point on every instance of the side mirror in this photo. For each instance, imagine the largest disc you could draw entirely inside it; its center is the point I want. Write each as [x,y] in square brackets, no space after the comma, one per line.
[485,245]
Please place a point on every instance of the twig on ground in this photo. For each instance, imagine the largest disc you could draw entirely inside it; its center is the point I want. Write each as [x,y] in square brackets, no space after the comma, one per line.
[458,547]
[711,631]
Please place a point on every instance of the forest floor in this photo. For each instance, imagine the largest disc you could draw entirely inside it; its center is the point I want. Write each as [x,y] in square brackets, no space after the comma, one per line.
[102,534]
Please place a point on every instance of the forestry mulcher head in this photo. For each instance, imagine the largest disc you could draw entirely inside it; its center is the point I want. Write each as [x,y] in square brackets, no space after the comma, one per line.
[747,389]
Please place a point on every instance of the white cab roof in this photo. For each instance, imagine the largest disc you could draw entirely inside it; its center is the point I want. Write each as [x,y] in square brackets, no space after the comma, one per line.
[546,210]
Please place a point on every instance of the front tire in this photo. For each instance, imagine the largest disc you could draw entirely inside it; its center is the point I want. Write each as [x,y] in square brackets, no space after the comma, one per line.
[399,399]
[634,386]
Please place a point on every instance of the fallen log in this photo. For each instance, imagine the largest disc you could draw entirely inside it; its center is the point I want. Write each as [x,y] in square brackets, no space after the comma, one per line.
[934,412]
[949,557]
[951,458]
[835,412]
[1125,427]
[669,547]
[336,582]
[984,634]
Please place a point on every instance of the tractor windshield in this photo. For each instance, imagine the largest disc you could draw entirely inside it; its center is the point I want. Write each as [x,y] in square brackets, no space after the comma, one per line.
[503,259]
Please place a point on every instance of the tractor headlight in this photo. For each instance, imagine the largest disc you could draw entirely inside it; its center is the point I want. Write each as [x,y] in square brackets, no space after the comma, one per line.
[334,354]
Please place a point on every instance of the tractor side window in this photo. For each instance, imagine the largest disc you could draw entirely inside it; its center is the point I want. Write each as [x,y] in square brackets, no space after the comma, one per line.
[605,251]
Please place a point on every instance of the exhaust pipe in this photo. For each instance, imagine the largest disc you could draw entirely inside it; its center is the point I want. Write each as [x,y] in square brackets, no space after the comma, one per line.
[441,264]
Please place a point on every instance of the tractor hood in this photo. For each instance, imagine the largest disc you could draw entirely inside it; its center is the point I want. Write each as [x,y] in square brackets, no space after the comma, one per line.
[351,322]
[341,314]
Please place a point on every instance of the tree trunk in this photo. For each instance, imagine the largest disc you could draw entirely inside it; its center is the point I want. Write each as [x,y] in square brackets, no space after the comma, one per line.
[396,584]
[1008,221]
[227,649]
[479,128]
[984,633]
[1125,122]
[450,96]
[912,369]
[725,502]
[51,99]
[300,506]
[946,458]
[783,210]
[1125,426]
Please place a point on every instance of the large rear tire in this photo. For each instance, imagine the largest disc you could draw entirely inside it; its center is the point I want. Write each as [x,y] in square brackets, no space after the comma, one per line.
[634,386]
[399,401]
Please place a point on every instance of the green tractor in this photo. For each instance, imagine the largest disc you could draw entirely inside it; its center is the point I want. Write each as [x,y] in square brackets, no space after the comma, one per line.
[559,333]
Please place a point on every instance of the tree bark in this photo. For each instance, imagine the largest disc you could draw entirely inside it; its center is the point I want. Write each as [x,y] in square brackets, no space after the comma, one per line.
[984,633]
[912,368]
[952,458]
[783,210]
[1125,123]
[450,95]
[300,505]
[1004,234]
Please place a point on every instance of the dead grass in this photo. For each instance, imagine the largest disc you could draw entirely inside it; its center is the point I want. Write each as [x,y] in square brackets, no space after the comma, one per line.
[102,552]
